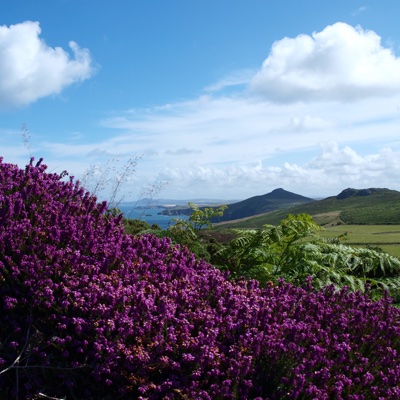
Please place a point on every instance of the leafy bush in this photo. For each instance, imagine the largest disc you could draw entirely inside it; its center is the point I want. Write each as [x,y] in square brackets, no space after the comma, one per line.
[136,226]
[192,232]
[87,311]
[294,251]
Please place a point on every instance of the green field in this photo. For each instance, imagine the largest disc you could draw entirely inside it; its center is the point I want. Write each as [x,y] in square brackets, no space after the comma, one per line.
[386,237]
[372,220]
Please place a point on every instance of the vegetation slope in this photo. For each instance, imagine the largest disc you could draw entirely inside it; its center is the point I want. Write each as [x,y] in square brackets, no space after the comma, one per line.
[351,206]
[91,312]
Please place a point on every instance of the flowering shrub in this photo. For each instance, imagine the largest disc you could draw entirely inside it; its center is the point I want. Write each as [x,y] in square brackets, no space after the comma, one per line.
[87,311]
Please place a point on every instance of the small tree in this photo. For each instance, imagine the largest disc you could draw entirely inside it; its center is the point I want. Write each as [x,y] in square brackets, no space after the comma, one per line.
[187,232]
[201,218]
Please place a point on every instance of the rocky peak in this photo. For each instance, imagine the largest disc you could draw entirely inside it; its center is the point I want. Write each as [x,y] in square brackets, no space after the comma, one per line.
[349,192]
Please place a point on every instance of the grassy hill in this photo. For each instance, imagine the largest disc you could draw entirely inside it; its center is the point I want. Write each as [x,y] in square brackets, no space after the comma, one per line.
[277,199]
[351,206]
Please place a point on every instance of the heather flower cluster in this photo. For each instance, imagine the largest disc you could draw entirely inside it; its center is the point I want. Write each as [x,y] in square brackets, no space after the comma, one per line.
[89,312]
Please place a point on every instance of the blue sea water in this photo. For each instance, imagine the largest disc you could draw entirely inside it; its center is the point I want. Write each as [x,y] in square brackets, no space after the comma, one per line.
[150,215]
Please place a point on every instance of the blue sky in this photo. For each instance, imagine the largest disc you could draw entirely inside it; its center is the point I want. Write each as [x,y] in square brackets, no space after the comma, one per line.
[221,99]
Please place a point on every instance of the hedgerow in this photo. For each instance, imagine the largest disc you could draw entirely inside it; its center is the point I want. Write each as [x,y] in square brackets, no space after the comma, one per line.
[90,312]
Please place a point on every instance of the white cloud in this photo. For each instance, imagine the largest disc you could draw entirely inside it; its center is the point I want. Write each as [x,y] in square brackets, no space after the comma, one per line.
[225,130]
[236,146]
[340,63]
[237,78]
[182,152]
[331,171]
[360,10]
[29,69]
[306,123]
[333,160]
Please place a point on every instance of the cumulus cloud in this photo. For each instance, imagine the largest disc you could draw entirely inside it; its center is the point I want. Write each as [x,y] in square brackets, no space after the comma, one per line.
[335,159]
[344,162]
[332,170]
[340,63]
[29,69]
[235,146]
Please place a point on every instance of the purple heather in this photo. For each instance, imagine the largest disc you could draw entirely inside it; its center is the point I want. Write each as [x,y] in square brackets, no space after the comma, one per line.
[89,312]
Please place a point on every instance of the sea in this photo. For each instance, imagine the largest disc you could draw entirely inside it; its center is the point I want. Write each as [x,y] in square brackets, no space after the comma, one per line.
[150,215]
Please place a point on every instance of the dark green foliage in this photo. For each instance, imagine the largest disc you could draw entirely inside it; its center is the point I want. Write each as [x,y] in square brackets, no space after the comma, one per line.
[387,213]
[378,207]
[136,226]
[202,217]
[191,232]
[293,251]
[277,199]
[265,254]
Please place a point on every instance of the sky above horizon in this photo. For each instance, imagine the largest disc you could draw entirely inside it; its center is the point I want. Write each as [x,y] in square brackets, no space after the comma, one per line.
[222,99]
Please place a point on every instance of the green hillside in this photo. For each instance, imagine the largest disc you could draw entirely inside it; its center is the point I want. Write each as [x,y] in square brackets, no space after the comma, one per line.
[351,206]
[257,205]
[277,199]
